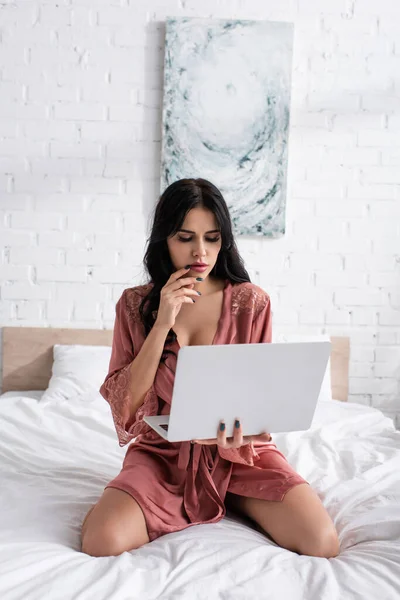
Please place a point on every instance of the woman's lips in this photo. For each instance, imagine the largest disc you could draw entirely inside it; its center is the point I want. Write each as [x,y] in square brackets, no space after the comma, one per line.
[198,268]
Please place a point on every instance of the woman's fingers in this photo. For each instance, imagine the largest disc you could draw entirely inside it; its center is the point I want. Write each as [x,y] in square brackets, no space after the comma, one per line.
[221,435]
[177,274]
[263,437]
[173,294]
[181,290]
[232,442]
[237,440]
[181,283]
[185,300]
[186,292]
[237,435]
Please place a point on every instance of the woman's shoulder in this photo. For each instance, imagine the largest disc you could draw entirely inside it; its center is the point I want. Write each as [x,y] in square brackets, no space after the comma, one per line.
[248,297]
[132,298]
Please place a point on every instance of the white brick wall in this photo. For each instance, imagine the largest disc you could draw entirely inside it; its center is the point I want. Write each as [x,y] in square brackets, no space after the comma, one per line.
[80,131]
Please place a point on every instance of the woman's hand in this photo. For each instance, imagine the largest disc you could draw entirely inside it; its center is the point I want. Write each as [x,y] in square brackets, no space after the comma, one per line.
[237,440]
[175,292]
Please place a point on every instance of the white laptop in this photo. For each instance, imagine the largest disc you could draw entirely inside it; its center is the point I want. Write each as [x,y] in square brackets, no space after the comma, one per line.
[270,387]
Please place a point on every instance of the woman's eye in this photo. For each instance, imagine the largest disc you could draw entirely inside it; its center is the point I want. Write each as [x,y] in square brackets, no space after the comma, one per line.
[181,239]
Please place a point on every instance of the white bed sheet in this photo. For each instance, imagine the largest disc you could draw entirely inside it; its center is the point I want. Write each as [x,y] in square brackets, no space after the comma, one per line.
[56,459]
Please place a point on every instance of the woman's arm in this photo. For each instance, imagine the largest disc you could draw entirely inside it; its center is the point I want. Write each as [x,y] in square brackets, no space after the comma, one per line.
[144,367]
[128,387]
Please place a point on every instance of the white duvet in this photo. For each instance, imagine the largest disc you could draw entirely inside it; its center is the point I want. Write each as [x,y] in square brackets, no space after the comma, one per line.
[56,458]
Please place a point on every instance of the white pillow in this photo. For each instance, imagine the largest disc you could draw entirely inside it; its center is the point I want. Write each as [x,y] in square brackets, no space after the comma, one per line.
[76,370]
[326,387]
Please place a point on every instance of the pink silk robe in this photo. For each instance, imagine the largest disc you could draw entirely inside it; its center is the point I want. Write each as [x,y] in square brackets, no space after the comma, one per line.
[183,484]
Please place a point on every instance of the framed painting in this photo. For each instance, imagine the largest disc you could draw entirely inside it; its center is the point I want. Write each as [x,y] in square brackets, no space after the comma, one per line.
[226,109]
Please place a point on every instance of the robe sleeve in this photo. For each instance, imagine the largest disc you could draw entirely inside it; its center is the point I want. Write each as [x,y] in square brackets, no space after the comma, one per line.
[116,389]
[261,332]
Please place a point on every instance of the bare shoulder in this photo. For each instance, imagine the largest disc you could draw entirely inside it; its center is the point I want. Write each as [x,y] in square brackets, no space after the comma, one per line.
[133,298]
[248,297]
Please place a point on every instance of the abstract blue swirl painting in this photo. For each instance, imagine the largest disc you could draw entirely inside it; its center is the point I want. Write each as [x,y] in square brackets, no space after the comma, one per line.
[226,110]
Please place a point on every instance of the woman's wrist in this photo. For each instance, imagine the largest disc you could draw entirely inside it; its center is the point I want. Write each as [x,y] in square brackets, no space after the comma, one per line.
[164,329]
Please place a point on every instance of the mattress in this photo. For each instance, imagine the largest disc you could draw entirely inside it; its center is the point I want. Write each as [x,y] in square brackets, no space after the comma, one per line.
[57,457]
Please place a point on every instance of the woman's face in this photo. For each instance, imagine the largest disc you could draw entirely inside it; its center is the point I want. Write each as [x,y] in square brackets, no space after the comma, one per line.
[198,241]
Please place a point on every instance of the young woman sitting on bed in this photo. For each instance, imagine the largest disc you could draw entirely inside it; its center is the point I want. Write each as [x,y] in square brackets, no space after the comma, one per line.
[165,487]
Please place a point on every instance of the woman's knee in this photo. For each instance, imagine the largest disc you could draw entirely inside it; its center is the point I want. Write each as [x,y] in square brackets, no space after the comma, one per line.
[114,525]
[323,544]
[99,542]
[107,540]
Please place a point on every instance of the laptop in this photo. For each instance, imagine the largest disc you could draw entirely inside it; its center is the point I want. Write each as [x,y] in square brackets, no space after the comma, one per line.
[270,387]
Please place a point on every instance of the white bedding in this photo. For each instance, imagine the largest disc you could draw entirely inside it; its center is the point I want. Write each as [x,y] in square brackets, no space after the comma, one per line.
[55,460]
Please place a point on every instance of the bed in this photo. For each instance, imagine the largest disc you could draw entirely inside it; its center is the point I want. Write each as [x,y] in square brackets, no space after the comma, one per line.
[57,457]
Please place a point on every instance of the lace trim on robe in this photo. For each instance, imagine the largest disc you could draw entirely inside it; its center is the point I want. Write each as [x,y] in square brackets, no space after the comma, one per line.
[248,298]
[116,389]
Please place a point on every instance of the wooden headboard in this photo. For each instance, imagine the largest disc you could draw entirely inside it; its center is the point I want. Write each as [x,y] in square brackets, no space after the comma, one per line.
[28,353]
[28,356]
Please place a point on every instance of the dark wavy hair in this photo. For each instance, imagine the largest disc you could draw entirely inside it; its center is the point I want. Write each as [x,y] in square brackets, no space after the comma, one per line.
[169,214]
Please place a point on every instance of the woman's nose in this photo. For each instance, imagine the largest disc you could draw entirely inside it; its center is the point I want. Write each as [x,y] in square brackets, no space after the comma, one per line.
[200,250]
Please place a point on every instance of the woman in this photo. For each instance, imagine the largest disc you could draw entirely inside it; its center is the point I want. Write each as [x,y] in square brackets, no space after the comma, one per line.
[199,293]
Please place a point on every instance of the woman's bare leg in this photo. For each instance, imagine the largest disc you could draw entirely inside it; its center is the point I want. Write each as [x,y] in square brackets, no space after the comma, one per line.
[114,525]
[299,522]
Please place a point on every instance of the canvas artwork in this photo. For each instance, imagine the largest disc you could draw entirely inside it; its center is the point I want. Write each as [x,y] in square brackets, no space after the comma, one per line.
[226,109]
